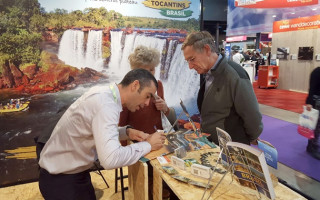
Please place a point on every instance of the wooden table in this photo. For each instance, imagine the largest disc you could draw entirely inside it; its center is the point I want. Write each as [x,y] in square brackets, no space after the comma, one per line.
[138,181]
[228,189]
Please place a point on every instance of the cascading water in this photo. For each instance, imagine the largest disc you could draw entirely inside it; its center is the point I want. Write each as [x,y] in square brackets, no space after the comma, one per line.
[127,50]
[179,82]
[119,63]
[170,52]
[116,53]
[71,49]
[182,83]
[93,57]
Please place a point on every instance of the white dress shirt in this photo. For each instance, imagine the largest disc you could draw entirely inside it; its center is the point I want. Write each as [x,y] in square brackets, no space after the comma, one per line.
[90,126]
[237,58]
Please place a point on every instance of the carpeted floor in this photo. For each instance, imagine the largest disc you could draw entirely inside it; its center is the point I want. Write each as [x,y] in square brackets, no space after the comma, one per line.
[290,145]
[283,99]
[283,135]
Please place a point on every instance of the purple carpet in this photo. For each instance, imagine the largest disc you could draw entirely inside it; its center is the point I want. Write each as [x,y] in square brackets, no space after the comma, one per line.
[290,145]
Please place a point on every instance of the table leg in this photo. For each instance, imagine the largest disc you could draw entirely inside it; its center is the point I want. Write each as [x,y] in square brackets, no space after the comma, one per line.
[138,181]
[157,185]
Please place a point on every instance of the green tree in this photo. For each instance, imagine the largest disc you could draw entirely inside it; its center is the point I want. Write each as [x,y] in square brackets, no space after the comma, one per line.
[37,23]
[21,48]
[21,21]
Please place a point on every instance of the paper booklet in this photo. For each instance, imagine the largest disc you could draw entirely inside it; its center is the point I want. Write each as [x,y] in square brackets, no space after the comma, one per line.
[270,152]
[223,138]
[250,168]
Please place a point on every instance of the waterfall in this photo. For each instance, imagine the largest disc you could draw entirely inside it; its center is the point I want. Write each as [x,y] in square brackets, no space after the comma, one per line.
[127,50]
[182,83]
[119,63]
[116,54]
[179,81]
[93,57]
[170,52]
[71,49]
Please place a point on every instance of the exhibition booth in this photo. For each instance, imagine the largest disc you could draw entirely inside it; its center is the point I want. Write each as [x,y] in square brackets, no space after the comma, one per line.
[288,36]
[293,42]
[296,43]
[90,47]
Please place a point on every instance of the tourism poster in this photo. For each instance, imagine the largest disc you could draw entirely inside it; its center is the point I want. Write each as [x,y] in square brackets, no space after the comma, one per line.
[51,52]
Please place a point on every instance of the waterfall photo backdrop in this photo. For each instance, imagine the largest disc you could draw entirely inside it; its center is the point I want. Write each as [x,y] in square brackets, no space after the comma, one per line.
[51,52]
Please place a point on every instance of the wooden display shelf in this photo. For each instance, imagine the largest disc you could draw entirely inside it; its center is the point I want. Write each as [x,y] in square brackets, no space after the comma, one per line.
[268,76]
[228,189]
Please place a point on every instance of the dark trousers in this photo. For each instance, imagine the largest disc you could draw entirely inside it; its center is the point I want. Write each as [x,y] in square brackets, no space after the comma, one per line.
[314,144]
[66,186]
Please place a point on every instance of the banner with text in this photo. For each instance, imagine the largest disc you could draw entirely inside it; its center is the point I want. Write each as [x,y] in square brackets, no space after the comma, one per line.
[273,3]
[257,16]
[302,23]
[52,52]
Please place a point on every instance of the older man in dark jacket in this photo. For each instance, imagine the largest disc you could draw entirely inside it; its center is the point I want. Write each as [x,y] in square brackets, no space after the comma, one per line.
[226,98]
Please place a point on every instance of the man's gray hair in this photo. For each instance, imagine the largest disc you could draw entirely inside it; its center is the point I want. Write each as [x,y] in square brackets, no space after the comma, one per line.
[198,40]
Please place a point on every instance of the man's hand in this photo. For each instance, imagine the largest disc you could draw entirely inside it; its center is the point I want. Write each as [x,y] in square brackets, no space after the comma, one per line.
[156,140]
[134,134]
[254,142]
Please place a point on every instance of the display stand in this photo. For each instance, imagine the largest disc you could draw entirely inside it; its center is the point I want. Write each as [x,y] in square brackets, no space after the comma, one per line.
[268,76]
[250,67]
[227,188]
[214,169]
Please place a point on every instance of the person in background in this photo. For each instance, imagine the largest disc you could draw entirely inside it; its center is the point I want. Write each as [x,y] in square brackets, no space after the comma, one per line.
[313,101]
[147,58]
[18,104]
[260,61]
[268,57]
[237,57]
[222,51]
[226,98]
[89,130]
[247,55]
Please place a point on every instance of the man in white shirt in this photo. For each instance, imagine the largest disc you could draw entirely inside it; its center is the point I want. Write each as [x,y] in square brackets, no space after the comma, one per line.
[238,57]
[89,128]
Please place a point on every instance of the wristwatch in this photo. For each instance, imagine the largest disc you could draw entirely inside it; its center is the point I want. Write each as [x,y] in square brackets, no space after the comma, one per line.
[128,126]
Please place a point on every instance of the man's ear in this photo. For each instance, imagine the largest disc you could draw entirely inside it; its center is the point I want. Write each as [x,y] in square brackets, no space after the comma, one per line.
[207,49]
[135,85]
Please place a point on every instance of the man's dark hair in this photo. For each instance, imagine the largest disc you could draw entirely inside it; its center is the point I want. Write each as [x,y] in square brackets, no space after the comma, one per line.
[143,76]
